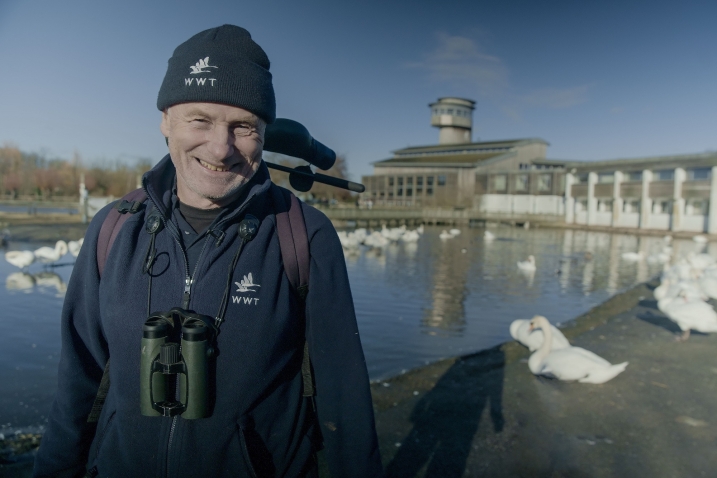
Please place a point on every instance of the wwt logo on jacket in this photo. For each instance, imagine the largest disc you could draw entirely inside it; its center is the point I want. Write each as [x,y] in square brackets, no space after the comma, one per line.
[246,285]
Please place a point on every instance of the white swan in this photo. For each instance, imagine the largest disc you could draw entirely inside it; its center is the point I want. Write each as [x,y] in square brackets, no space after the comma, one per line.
[689,314]
[700,239]
[520,331]
[410,236]
[21,259]
[48,255]
[455,232]
[488,236]
[528,265]
[75,246]
[570,363]
[632,256]
[445,235]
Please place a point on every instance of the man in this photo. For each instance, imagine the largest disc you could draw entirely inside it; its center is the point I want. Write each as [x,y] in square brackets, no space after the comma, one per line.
[216,100]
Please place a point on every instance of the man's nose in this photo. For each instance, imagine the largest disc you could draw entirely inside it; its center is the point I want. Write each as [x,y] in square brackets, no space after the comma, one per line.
[221,143]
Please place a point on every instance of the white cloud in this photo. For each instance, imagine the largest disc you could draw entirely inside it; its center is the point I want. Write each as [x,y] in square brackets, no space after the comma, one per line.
[461,60]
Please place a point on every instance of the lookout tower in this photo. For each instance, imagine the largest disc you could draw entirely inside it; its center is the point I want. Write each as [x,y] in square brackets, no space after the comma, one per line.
[454,117]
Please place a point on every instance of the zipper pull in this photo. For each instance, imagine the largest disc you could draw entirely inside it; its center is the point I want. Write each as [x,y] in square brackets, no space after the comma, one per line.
[219,235]
[187,287]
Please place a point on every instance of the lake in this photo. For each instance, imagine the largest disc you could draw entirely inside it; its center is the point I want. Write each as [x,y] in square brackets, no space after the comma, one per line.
[415,302]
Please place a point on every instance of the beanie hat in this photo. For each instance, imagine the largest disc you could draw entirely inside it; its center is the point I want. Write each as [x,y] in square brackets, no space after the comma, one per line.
[220,65]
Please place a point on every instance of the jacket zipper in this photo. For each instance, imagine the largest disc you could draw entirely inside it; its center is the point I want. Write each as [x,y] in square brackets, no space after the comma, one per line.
[188,281]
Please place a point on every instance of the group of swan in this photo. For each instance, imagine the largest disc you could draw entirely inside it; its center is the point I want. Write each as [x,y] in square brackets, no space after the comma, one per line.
[684,288]
[45,255]
[354,239]
[554,357]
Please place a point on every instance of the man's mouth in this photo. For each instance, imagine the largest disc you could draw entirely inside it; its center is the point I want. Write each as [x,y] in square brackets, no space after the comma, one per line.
[212,168]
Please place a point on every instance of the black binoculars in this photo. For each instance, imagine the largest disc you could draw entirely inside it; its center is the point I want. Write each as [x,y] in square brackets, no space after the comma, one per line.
[174,368]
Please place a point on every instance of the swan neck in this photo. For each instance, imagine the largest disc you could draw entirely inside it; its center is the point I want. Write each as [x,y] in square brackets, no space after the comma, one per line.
[544,349]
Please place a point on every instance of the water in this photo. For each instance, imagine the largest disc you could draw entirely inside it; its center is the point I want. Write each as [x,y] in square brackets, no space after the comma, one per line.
[415,303]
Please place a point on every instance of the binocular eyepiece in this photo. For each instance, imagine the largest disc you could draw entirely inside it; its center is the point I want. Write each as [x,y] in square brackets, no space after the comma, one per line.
[174,375]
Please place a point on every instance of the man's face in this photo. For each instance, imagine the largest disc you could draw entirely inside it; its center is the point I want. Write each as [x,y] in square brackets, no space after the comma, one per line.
[212,157]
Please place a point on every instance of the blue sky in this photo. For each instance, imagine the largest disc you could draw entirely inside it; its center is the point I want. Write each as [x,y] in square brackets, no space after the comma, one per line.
[597,80]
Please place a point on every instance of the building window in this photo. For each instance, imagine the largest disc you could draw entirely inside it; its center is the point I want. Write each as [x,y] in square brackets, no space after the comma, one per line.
[631,205]
[634,176]
[429,181]
[409,181]
[399,192]
[696,207]
[521,183]
[605,178]
[390,194]
[419,181]
[400,181]
[604,205]
[662,206]
[409,192]
[499,182]
[582,178]
[419,190]
[665,175]
[429,191]
[545,182]
[390,181]
[441,180]
[698,174]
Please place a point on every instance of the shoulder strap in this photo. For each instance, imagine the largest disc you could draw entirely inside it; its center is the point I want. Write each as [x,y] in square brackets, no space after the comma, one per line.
[294,244]
[130,203]
[293,239]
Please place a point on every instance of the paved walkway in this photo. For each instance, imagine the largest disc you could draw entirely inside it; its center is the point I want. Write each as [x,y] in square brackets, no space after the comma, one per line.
[487,415]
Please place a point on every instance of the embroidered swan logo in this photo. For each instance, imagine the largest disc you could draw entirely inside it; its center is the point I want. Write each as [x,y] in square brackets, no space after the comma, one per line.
[246,284]
[200,65]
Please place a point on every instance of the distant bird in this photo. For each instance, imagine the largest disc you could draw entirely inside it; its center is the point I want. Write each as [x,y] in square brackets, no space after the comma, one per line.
[445,235]
[700,239]
[21,259]
[49,255]
[528,265]
[689,314]
[488,236]
[632,256]
[75,246]
[570,363]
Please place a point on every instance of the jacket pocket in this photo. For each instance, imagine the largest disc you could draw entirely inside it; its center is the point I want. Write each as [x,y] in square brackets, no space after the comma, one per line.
[256,455]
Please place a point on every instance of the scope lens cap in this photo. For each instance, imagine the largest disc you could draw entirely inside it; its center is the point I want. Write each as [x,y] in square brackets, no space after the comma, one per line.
[248,227]
[153,224]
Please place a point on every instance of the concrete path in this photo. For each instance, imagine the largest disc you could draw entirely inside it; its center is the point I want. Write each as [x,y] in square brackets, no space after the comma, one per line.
[487,415]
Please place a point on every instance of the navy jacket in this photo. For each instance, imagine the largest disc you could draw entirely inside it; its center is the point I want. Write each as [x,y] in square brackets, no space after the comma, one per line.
[261,425]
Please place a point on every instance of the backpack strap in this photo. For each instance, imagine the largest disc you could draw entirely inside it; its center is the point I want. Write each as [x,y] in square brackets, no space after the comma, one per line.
[294,244]
[293,239]
[131,202]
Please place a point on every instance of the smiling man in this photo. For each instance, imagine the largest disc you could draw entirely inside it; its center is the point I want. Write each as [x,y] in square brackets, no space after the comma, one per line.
[202,255]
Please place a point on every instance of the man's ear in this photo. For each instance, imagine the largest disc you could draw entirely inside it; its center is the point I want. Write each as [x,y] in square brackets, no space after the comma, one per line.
[164,126]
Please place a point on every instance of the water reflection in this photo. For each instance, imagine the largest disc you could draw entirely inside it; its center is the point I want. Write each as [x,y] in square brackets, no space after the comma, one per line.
[45,280]
[448,290]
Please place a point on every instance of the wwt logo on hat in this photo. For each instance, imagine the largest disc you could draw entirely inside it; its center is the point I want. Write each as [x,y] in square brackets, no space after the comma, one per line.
[199,66]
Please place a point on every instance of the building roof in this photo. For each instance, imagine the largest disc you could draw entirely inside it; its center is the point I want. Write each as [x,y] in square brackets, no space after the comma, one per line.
[650,162]
[466,154]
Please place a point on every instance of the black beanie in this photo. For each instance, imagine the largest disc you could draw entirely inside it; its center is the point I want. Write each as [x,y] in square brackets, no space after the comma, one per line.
[220,65]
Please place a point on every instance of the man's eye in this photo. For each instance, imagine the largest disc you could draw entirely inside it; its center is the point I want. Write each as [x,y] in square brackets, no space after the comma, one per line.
[243,130]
